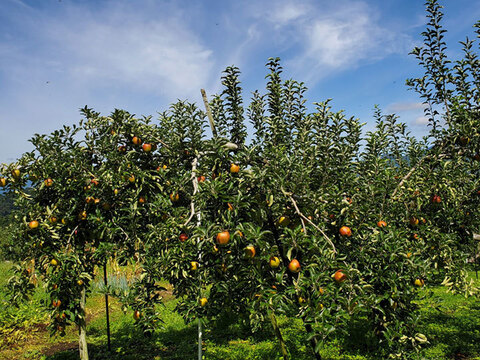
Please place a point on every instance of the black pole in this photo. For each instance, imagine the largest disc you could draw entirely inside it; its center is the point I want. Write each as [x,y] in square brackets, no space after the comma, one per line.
[476,264]
[106,305]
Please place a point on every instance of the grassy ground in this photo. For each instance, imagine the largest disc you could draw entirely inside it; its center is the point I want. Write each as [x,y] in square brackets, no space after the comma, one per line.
[453,330]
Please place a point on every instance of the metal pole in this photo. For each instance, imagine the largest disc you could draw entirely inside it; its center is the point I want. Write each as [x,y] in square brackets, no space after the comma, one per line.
[477,247]
[106,306]
[200,350]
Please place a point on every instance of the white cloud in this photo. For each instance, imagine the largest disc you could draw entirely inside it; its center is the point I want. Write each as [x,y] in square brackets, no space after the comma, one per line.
[116,46]
[142,55]
[286,12]
[405,106]
[328,37]
[421,121]
[57,58]
[162,56]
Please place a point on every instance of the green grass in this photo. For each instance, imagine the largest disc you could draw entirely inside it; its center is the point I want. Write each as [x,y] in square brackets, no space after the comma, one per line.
[451,323]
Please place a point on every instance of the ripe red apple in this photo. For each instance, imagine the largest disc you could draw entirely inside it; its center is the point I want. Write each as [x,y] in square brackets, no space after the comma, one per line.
[223,237]
[33,224]
[436,199]
[381,224]
[234,168]
[147,147]
[339,276]
[294,266]
[136,140]
[345,231]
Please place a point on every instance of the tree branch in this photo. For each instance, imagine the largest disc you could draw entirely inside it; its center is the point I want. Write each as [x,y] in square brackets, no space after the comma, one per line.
[299,213]
[195,190]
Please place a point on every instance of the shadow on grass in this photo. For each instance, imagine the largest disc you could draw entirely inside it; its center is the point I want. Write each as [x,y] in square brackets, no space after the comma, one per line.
[453,335]
[130,343]
[457,333]
[170,343]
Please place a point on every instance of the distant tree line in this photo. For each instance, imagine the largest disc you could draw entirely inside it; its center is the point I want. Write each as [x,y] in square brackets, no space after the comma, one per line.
[6,208]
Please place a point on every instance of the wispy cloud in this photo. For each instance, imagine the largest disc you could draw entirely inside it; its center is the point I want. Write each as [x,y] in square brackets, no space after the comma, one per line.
[345,38]
[118,46]
[58,56]
[330,37]
[405,106]
[420,121]
[286,12]
[161,56]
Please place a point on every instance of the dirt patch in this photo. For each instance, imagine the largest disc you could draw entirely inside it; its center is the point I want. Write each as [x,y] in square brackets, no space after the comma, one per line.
[63,346]
[42,327]
[166,294]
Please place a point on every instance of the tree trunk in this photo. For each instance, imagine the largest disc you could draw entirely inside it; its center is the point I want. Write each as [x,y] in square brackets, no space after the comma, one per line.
[276,235]
[109,347]
[313,340]
[279,336]
[82,328]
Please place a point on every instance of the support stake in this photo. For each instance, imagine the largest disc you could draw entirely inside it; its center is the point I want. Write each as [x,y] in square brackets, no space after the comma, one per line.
[209,112]
[82,327]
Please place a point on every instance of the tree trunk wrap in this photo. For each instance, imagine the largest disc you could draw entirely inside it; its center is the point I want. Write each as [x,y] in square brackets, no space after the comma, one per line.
[82,328]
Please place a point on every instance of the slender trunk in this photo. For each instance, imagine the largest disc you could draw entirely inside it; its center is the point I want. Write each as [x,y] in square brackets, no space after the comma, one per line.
[82,327]
[313,341]
[106,306]
[276,235]
[279,336]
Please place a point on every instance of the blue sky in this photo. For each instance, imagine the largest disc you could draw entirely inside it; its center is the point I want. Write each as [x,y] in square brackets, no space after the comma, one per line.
[57,56]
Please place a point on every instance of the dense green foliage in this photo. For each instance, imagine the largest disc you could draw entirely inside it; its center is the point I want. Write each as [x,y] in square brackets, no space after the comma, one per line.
[453,331]
[6,207]
[355,224]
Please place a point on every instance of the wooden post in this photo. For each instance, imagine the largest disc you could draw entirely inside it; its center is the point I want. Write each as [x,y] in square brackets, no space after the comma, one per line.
[82,327]
[476,237]
[209,112]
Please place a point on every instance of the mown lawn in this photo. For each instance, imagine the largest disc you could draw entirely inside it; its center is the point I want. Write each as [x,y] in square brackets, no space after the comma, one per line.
[451,325]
